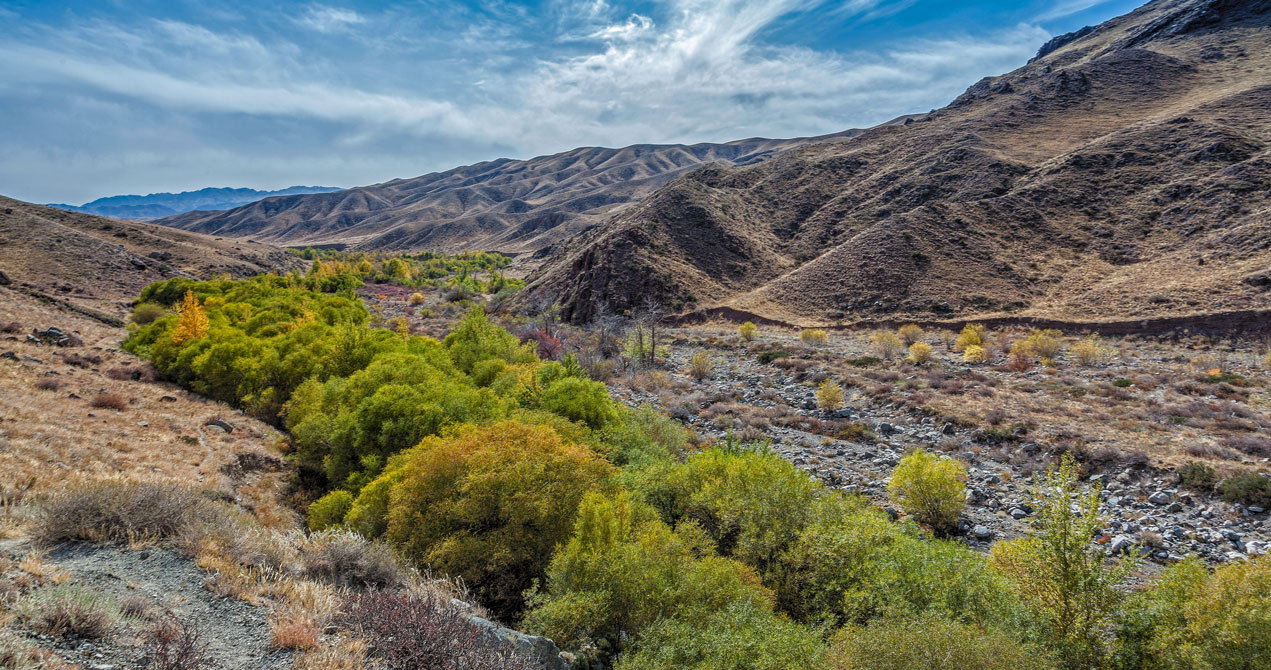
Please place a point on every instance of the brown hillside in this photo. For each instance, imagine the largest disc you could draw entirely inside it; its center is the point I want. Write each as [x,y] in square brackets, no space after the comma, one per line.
[91,262]
[1126,172]
[512,206]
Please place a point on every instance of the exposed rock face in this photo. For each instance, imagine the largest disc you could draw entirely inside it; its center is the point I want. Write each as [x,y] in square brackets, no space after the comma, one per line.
[539,647]
[1123,174]
[1061,40]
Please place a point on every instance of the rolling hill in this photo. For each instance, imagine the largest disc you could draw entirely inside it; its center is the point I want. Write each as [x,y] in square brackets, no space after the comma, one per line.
[1123,173]
[155,205]
[511,206]
[86,262]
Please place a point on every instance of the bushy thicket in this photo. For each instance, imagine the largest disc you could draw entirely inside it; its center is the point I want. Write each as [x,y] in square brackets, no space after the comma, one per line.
[477,271]
[595,525]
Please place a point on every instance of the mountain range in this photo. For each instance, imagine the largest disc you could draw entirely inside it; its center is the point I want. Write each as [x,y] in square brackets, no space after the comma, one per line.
[155,205]
[511,206]
[1124,172]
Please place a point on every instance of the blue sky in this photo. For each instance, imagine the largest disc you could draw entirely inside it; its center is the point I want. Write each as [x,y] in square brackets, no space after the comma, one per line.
[138,96]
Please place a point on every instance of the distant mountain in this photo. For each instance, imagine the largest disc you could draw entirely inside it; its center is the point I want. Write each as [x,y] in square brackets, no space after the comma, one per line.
[513,206]
[157,205]
[1123,173]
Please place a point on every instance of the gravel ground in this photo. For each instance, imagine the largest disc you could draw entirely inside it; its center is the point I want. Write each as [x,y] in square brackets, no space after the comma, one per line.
[235,633]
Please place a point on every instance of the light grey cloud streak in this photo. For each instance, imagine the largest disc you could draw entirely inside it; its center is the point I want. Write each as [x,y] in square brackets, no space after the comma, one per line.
[268,110]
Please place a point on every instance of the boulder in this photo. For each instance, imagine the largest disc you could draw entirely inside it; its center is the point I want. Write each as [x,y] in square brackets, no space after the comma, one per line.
[536,646]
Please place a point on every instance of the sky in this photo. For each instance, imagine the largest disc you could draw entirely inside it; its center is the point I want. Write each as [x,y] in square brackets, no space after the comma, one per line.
[109,97]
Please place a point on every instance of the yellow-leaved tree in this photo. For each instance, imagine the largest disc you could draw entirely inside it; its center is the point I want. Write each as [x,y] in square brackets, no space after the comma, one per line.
[192,321]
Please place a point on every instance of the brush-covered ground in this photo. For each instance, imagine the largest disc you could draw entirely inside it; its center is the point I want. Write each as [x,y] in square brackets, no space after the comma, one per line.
[147,526]
[1137,416]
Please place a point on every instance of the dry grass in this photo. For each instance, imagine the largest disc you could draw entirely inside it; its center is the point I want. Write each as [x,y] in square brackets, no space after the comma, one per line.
[343,653]
[294,634]
[50,436]
[109,400]
[70,610]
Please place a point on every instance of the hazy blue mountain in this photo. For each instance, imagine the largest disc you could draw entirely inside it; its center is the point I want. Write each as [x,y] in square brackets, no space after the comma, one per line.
[156,205]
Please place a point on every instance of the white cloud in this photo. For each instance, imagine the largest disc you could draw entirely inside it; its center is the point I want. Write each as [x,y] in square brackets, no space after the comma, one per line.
[701,72]
[631,29]
[330,19]
[1067,8]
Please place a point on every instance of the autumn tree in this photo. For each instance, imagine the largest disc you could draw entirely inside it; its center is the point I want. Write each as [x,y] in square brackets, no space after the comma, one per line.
[192,322]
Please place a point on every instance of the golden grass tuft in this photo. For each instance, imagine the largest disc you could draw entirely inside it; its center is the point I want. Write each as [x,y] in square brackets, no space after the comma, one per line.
[813,336]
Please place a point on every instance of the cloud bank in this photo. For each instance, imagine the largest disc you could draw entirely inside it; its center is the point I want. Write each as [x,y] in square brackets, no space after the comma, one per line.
[323,94]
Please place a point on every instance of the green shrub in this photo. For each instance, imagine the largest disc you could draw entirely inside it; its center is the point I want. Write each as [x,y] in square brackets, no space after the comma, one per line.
[855,432]
[1070,588]
[929,488]
[750,504]
[329,510]
[1198,477]
[932,642]
[851,564]
[476,339]
[641,436]
[771,355]
[580,400]
[487,505]
[623,570]
[147,313]
[1247,489]
[738,637]
[1191,618]
[349,425]
[864,361]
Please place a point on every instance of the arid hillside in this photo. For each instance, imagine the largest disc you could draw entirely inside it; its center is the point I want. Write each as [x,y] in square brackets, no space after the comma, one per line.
[102,264]
[1124,173]
[511,206]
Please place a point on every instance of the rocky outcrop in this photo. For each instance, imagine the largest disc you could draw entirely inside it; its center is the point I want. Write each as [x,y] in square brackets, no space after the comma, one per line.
[536,646]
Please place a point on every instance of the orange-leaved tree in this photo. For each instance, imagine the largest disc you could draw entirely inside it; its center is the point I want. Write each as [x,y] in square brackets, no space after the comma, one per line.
[192,322]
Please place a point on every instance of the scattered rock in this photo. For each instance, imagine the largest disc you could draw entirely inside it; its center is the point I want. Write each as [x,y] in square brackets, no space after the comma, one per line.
[224,426]
[981,532]
[55,336]
[537,646]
